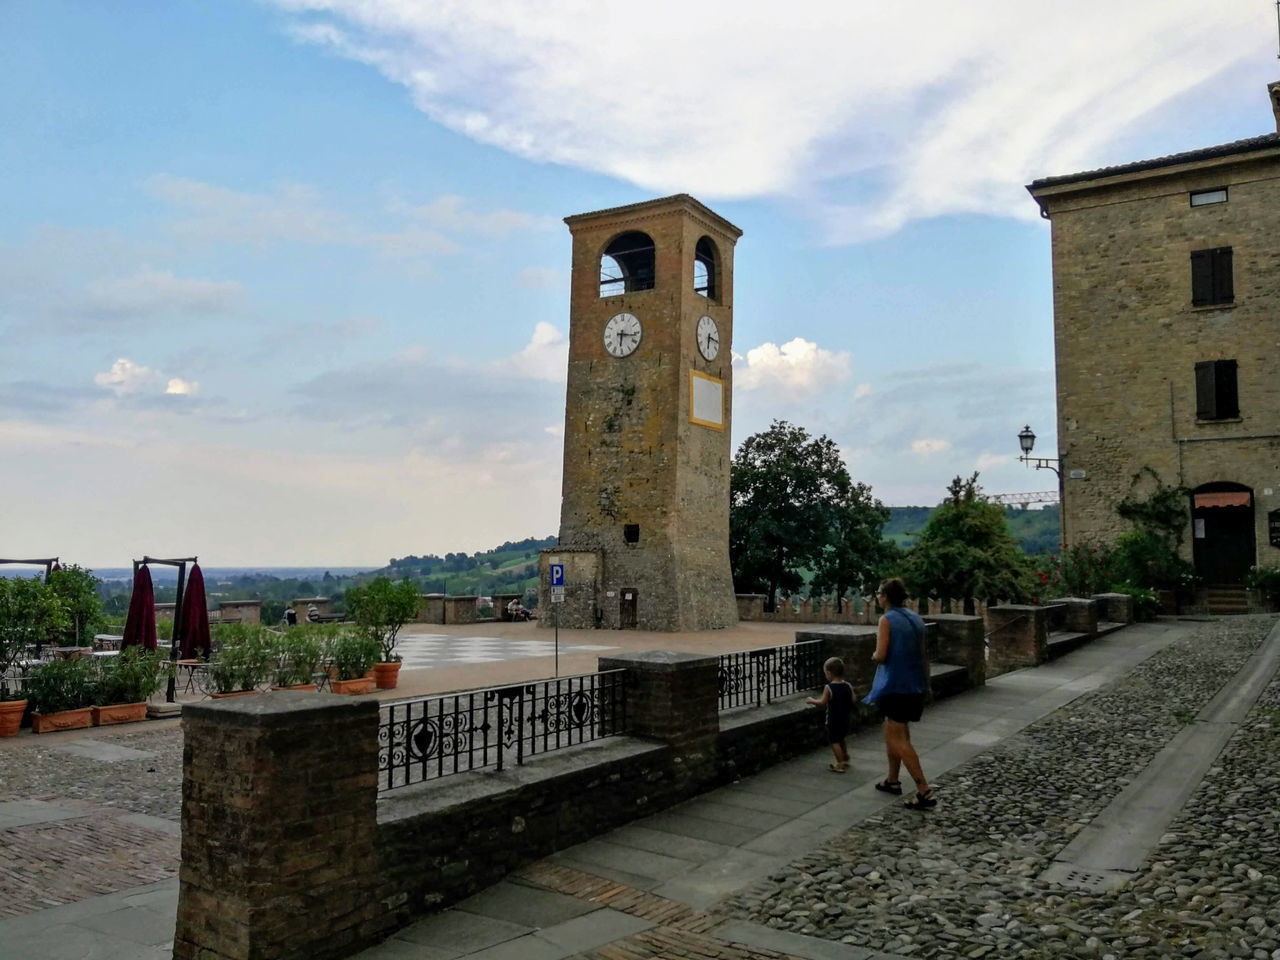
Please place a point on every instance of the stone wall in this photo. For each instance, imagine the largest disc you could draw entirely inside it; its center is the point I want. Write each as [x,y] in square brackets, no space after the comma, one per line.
[1019,637]
[288,852]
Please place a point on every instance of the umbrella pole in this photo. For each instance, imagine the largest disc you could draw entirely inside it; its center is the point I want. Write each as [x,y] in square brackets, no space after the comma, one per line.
[175,640]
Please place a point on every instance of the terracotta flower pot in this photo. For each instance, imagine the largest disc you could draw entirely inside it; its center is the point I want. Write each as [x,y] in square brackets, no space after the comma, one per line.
[118,713]
[297,686]
[62,720]
[238,693]
[352,687]
[386,675]
[11,716]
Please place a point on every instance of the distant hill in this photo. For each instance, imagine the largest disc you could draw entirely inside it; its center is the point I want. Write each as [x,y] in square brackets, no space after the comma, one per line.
[1035,530]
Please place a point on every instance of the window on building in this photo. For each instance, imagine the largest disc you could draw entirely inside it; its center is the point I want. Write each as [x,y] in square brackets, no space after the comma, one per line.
[1211,277]
[631,532]
[705,270]
[627,264]
[1216,395]
[1202,198]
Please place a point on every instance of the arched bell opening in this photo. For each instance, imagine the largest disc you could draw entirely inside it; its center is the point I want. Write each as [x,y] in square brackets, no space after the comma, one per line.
[628,264]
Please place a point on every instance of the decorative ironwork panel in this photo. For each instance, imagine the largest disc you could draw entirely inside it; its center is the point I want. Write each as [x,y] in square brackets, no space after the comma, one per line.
[435,737]
[755,677]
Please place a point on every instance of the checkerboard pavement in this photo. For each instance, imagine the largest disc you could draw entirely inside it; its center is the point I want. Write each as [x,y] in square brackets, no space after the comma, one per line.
[423,651]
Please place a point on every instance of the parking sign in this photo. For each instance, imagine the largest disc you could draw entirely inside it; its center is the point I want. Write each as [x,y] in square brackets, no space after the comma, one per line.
[557,574]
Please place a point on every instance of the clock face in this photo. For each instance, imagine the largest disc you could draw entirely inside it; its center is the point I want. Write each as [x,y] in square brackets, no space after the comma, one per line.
[622,334]
[708,338]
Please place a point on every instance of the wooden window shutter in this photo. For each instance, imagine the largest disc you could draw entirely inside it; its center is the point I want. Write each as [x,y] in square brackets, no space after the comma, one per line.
[1223,279]
[1201,277]
[1224,389]
[1206,407]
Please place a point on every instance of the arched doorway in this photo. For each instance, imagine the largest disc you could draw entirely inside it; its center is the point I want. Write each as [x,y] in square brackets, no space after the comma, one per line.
[1222,534]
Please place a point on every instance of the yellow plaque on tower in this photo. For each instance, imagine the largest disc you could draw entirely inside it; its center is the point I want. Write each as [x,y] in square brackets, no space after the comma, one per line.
[706,400]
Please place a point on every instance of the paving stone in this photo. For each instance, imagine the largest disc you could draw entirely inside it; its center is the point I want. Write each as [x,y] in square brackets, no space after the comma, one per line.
[524,905]
[594,929]
[455,933]
[102,751]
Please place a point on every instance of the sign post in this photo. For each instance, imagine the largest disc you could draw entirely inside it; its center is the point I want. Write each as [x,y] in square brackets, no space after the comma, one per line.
[557,597]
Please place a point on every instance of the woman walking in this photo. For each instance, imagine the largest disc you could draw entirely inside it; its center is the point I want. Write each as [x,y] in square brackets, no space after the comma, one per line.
[899,689]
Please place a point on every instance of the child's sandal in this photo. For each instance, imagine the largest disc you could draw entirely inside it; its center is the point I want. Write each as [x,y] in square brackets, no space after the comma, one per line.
[921,801]
[890,786]
[837,767]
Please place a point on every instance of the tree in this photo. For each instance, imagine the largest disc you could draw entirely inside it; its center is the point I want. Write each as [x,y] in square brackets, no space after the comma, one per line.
[30,614]
[966,550]
[77,590]
[787,491]
[854,556]
[381,608]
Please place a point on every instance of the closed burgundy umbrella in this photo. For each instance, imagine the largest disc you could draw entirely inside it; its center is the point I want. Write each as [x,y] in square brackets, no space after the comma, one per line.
[140,627]
[195,618]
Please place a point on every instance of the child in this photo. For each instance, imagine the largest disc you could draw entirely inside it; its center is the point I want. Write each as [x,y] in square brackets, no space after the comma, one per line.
[837,697]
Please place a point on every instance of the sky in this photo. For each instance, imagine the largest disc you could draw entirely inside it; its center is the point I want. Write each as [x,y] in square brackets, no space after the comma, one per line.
[286,281]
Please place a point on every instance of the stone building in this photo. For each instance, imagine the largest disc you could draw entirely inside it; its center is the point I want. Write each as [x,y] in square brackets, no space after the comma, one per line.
[1166,298]
[644,515]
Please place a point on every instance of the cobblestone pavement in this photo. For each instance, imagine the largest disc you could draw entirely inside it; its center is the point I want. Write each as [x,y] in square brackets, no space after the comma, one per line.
[961,881]
[97,847]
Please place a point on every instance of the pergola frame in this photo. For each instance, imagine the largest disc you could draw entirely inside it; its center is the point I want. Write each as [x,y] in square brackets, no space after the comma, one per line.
[175,642]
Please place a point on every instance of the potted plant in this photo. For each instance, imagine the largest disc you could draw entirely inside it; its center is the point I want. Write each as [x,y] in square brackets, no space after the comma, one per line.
[242,665]
[125,684]
[30,615]
[299,655]
[61,692]
[354,654]
[380,609]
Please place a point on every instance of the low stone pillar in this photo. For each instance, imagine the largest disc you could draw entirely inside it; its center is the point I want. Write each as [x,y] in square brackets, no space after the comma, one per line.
[165,611]
[431,608]
[500,601]
[240,611]
[279,813]
[1018,636]
[1115,607]
[961,640]
[1080,616]
[852,644]
[675,698]
[750,606]
[459,609]
[323,605]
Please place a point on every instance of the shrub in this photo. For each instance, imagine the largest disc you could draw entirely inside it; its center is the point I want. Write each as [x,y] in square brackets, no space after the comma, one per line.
[298,654]
[1266,580]
[244,661]
[1145,602]
[62,685]
[354,653]
[30,614]
[130,677]
[77,590]
[1146,559]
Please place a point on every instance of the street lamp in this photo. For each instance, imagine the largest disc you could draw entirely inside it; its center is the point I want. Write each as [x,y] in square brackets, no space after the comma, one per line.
[1027,440]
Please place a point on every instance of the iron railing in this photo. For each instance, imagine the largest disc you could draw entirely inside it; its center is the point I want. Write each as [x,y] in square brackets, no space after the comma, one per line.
[432,737]
[754,677]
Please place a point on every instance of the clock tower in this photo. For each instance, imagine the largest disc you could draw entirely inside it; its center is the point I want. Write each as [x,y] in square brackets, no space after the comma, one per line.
[644,514]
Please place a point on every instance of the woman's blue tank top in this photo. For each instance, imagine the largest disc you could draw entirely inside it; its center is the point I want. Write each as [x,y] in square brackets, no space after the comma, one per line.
[903,670]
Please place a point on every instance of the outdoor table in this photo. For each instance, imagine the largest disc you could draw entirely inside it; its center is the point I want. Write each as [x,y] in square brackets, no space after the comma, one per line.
[107,641]
[106,653]
[68,652]
[192,668]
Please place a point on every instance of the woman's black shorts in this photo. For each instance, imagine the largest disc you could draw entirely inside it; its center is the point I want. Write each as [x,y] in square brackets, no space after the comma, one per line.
[901,707]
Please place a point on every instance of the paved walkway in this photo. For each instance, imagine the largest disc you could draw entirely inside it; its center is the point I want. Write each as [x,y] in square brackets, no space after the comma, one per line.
[644,890]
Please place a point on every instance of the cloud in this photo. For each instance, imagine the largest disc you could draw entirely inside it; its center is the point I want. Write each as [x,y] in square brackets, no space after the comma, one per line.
[798,368]
[862,390]
[928,446]
[544,357]
[125,377]
[988,460]
[292,212]
[450,214]
[872,115]
[150,291]
[535,277]
[180,387]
